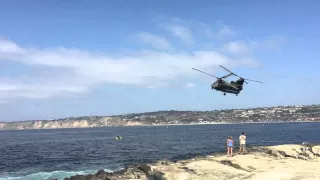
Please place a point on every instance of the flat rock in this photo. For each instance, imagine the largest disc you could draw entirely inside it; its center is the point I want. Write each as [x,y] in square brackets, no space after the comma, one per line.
[263,163]
[316,150]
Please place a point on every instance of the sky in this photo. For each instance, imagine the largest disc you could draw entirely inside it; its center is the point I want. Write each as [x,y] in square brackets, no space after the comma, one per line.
[73,58]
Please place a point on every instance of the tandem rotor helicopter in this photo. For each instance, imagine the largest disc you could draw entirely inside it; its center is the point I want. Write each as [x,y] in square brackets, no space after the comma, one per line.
[228,87]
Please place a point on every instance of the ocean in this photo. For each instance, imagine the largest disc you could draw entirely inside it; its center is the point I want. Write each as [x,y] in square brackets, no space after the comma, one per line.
[60,153]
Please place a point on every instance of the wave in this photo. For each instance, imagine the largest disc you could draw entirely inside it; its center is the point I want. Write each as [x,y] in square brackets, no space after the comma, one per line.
[60,175]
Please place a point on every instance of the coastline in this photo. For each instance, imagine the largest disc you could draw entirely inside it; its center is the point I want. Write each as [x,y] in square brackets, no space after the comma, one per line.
[265,162]
[155,125]
[225,123]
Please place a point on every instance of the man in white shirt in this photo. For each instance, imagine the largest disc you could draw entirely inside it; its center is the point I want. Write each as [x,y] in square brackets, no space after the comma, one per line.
[242,139]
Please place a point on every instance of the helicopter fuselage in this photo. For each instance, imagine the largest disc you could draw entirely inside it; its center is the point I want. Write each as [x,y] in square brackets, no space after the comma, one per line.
[232,87]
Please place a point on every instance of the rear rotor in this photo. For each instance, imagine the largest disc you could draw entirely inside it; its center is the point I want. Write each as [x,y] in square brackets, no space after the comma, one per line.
[244,79]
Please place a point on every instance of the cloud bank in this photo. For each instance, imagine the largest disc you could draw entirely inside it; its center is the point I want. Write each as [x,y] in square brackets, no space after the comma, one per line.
[60,71]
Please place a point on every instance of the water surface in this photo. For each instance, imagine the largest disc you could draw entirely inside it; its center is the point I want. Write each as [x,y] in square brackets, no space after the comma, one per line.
[46,154]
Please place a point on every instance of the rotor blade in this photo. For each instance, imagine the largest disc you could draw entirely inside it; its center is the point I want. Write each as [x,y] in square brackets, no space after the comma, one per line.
[253,80]
[229,71]
[239,76]
[227,75]
[205,73]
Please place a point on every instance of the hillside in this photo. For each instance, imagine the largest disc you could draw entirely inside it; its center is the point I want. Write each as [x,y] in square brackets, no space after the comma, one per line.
[263,114]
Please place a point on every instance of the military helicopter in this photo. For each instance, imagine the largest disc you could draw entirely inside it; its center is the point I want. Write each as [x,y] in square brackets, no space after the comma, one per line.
[228,87]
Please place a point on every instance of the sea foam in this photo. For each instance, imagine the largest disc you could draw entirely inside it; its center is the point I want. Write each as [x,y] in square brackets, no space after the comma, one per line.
[51,175]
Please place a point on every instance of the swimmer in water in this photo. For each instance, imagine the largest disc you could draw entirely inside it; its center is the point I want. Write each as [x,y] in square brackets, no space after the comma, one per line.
[118,138]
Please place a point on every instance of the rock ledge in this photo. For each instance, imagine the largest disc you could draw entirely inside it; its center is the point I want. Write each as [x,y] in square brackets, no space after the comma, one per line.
[270,162]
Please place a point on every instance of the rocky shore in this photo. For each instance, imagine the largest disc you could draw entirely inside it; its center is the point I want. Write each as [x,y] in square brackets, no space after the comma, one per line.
[269,162]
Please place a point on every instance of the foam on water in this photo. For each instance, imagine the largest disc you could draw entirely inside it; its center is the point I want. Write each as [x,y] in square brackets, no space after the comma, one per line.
[52,175]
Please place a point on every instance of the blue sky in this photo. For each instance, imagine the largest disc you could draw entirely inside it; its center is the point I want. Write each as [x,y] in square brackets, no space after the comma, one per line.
[60,59]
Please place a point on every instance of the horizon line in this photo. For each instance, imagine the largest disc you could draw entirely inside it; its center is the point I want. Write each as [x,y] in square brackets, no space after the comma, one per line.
[55,119]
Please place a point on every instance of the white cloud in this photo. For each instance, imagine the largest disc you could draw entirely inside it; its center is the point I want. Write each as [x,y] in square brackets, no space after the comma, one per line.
[86,69]
[225,31]
[188,30]
[248,46]
[216,30]
[9,47]
[155,41]
[269,43]
[38,89]
[190,85]
[80,70]
[181,32]
[208,32]
[236,47]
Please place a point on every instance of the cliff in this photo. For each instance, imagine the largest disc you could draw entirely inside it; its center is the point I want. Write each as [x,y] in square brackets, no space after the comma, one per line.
[253,115]
[263,163]
[81,122]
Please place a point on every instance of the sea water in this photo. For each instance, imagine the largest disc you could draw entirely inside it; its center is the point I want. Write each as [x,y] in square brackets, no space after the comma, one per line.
[60,153]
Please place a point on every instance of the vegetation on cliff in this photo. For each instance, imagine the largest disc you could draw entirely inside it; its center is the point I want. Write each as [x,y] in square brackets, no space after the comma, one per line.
[262,114]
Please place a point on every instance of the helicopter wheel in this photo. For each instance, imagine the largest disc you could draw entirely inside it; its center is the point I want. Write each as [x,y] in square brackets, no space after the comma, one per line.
[236,94]
[224,94]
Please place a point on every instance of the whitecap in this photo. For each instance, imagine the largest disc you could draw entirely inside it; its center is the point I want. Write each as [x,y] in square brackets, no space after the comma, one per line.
[51,175]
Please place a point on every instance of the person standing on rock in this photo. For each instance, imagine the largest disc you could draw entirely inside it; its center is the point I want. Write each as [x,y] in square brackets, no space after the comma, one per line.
[242,139]
[230,144]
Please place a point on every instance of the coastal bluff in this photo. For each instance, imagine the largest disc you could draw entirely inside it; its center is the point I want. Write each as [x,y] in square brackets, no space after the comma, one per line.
[307,113]
[291,161]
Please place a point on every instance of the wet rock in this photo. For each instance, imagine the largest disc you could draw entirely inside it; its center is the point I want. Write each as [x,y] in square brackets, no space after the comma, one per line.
[129,173]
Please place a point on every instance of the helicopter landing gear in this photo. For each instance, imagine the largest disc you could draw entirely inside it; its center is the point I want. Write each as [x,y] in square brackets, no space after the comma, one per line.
[236,94]
[224,94]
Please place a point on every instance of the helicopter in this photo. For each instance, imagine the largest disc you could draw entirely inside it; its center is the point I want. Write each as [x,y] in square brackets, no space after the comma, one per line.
[233,87]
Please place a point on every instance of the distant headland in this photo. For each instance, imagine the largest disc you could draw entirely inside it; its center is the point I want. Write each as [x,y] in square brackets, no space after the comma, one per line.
[301,113]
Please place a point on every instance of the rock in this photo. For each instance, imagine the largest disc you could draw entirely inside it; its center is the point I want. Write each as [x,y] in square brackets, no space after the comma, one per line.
[165,162]
[316,150]
[129,173]
[258,164]
[293,151]
[145,168]
[150,173]
[276,154]
[309,154]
